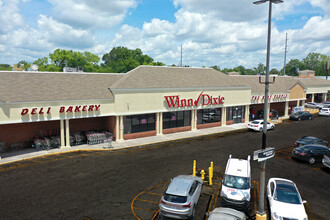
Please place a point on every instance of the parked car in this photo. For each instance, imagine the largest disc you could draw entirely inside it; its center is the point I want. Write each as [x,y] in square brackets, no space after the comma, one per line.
[310,140]
[181,197]
[313,105]
[284,200]
[326,160]
[222,213]
[273,114]
[236,184]
[311,152]
[257,125]
[324,111]
[209,117]
[302,115]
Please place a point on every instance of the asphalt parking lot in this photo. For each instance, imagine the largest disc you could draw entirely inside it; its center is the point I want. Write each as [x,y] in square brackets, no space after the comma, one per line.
[120,184]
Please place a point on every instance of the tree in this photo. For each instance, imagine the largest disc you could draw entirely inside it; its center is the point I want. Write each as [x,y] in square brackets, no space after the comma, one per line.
[311,61]
[240,69]
[23,63]
[274,72]
[215,67]
[69,58]
[5,67]
[261,69]
[122,59]
[293,67]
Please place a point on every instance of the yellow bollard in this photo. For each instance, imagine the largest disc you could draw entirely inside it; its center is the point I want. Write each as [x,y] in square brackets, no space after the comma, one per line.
[203,174]
[194,168]
[210,176]
[212,169]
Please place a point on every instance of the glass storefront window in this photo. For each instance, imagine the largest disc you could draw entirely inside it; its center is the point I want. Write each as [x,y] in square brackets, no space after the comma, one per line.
[235,114]
[176,119]
[139,123]
[205,116]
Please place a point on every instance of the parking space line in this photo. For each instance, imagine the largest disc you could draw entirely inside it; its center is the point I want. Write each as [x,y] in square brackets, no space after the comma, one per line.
[154,193]
[156,214]
[149,210]
[143,200]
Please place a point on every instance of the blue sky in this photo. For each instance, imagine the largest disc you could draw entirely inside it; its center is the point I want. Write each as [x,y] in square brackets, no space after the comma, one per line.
[212,32]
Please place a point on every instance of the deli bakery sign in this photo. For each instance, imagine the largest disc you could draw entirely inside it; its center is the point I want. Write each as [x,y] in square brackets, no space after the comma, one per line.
[174,101]
[63,109]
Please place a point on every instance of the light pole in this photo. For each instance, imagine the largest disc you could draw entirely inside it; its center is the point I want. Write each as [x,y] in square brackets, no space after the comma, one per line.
[261,215]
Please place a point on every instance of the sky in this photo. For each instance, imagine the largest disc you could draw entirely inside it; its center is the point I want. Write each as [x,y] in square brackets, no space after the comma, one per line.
[225,33]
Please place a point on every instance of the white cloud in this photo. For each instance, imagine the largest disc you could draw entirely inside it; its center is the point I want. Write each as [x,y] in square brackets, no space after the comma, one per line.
[10,18]
[92,14]
[64,35]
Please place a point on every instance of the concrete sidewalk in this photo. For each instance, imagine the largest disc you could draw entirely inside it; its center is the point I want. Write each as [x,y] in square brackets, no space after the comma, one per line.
[13,156]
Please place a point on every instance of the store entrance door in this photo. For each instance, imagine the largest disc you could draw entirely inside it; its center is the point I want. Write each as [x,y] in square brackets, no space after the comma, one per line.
[237,115]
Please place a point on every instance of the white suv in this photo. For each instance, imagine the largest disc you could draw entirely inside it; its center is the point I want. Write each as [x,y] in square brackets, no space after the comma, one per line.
[236,184]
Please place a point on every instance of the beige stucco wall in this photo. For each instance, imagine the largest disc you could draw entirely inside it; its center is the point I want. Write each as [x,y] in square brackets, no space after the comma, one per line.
[151,101]
[11,113]
[314,90]
[297,92]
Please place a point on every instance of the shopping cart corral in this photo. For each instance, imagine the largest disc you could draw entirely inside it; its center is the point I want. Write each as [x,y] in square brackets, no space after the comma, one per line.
[101,137]
[76,138]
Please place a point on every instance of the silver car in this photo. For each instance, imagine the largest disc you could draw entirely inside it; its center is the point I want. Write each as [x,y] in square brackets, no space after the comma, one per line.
[181,197]
[226,214]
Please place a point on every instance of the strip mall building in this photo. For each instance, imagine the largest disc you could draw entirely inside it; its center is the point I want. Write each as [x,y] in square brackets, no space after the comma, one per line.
[144,102]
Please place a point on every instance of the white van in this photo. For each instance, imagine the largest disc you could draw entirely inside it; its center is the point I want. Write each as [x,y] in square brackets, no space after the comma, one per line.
[236,184]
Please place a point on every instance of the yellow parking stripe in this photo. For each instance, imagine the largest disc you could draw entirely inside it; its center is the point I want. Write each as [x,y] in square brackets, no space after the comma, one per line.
[145,209]
[143,200]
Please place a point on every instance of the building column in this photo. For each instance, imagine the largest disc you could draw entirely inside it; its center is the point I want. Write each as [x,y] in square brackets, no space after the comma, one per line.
[312,97]
[247,113]
[62,133]
[67,133]
[159,123]
[302,102]
[324,97]
[121,121]
[193,119]
[117,133]
[286,110]
[223,116]
[298,103]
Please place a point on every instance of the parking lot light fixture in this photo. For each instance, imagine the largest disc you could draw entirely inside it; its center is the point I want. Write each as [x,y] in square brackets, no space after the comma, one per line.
[261,213]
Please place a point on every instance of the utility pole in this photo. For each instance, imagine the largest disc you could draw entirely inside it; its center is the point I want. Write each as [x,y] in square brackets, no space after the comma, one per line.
[261,215]
[285,50]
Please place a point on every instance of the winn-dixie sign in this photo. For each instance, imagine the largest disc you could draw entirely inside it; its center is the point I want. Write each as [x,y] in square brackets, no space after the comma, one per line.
[174,101]
[63,109]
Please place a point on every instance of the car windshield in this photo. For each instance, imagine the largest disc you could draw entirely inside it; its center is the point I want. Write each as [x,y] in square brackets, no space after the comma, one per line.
[175,198]
[287,193]
[236,182]
[255,122]
[299,113]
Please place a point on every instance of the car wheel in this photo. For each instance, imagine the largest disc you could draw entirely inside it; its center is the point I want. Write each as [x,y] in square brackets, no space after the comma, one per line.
[310,118]
[273,127]
[299,119]
[311,160]
[260,129]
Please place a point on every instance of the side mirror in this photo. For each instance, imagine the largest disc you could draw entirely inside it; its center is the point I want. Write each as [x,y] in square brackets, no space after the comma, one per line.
[304,201]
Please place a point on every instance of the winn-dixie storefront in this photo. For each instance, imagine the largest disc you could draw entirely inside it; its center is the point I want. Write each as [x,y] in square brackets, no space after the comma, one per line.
[142,113]
[147,101]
